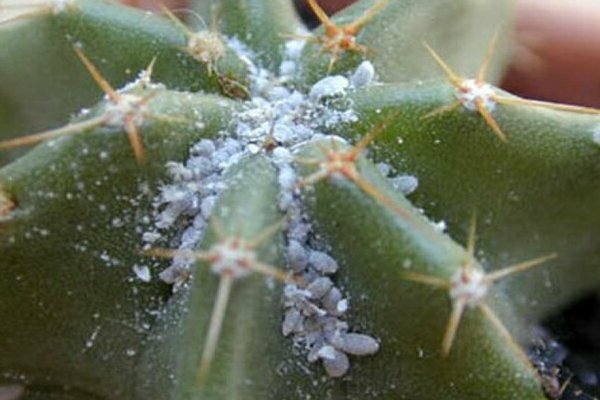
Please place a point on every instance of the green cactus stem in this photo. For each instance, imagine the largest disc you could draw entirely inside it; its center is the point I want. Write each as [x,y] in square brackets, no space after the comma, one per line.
[228,207]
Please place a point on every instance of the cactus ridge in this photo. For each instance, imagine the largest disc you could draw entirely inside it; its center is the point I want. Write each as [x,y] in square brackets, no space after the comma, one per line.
[339,39]
[481,97]
[231,258]
[204,46]
[468,287]
[257,198]
[123,109]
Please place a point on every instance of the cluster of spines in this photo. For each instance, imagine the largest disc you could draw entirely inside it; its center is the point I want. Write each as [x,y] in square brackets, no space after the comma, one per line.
[336,39]
[205,46]
[124,110]
[481,97]
[231,258]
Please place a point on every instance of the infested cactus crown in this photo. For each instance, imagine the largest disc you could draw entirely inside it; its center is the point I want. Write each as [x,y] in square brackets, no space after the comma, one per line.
[283,209]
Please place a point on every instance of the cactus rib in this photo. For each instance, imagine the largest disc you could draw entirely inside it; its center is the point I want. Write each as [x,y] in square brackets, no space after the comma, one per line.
[477,95]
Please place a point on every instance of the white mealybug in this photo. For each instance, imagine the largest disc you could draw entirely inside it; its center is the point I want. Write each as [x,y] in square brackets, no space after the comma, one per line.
[297,256]
[356,344]
[329,87]
[406,184]
[331,301]
[326,353]
[364,75]
[291,322]
[319,287]
[142,272]
[322,262]
[287,178]
[151,237]
[336,363]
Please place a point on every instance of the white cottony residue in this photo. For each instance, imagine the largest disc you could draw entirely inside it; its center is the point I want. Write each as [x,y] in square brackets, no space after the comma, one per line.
[364,75]
[277,118]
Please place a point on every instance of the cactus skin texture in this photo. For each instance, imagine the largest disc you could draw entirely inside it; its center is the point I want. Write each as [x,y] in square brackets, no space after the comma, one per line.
[269,183]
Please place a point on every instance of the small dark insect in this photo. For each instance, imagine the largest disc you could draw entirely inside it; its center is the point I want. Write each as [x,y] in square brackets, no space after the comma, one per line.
[232,88]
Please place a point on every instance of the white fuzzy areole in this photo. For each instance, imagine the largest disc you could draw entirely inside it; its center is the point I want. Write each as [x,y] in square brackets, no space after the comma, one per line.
[206,46]
[469,286]
[471,91]
[126,105]
[232,257]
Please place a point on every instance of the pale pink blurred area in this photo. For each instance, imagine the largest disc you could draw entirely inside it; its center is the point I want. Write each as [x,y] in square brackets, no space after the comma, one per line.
[558,52]
[11,392]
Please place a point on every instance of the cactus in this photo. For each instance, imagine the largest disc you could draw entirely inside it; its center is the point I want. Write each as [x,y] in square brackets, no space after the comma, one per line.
[255,211]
